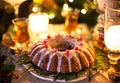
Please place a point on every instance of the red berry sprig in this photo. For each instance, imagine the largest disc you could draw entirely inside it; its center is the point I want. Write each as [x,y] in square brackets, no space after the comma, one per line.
[10,74]
[16,76]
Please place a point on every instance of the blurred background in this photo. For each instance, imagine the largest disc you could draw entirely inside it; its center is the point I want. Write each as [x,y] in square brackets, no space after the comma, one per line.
[56,9]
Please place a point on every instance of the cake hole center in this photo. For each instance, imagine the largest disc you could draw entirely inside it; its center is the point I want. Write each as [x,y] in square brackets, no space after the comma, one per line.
[64,45]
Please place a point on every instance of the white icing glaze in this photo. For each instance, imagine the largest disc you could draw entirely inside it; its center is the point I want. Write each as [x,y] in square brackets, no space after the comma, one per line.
[37,54]
[69,62]
[50,59]
[59,62]
[35,48]
[43,54]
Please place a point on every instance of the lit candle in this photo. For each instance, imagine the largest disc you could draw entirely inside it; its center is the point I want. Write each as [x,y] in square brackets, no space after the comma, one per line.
[112,38]
[38,24]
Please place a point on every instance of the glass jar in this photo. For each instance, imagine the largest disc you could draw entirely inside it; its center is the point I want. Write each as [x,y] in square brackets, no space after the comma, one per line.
[112,3]
[98,35]
[71,21]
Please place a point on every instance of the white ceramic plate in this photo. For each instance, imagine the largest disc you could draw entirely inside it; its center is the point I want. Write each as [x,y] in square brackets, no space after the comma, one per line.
[50,78]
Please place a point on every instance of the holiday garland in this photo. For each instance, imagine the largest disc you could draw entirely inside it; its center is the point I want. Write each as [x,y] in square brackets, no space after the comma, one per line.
[7,68]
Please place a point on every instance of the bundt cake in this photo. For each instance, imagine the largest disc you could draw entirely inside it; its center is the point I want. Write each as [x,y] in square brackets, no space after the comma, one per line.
[62,54]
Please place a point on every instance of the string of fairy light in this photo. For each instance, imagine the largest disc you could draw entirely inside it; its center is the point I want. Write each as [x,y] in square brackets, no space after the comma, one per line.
[87,5]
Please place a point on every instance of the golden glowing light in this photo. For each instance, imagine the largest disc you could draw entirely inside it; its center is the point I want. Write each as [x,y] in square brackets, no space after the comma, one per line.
[38,22]
[112,38]
[65,7]
[71,1]
[83,11]
[51,16]
[38,1]
[79,31]
[65,10]
[14,2]
[43,36]
[34,9]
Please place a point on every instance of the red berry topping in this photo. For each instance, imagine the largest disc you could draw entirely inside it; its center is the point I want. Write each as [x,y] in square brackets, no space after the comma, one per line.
[57,36]
[81,43]
[55,50]
[46,46]
[76,48]
[44,42]
[69,36]
[48,37]
[67,52]
[80,39]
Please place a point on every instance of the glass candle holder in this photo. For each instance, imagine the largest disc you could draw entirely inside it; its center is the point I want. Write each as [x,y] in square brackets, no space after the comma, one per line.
[15,4]
[112,36]
[21,28]
[71,21]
